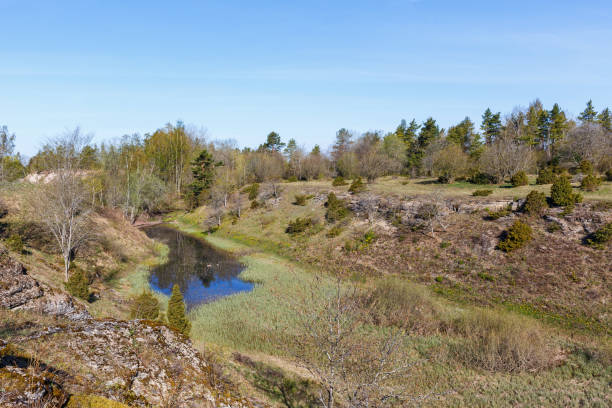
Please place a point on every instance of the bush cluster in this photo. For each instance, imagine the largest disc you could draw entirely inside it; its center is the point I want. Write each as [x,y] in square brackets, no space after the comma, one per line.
[516,237]
[482,178]
[252,190]
[482,193]
[144,306]
[357,186]
[535,203]
[334,231]
[339,181]
[546,176]
[561,193]
[519,179]
[590,183]
[300,199]
[586,167]
[15,243]
[494,215]
[601,237]
[78,284]
[336,208]
[363,242]
[298,226]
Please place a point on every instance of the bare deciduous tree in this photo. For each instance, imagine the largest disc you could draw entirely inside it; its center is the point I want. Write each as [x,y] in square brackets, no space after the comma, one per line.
[62,203]
[354,367]
[505,157]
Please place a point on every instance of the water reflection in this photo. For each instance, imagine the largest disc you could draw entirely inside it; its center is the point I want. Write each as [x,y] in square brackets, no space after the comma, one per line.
[202,272]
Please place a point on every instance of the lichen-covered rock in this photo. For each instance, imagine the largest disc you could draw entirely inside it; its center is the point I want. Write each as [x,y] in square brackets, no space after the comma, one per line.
[23,384]
[18,290]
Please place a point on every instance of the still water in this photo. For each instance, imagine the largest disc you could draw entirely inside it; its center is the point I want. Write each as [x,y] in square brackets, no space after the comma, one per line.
[202,272]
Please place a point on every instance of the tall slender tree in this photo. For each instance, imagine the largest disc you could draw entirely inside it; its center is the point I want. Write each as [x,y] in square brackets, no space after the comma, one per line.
[605,119]
[589,114]
[176,312]
[491,125]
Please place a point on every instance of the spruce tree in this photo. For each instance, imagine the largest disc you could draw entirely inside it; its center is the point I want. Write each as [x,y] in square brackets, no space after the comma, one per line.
[203,170]
[605,119]
[491,125]
[589,114]
[532,129]
[558,124]
[176,312]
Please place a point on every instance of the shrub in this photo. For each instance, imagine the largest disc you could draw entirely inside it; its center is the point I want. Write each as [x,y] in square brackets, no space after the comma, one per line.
[601,237]
[15,243]
[482,193]
[535,203]
[494,215]
[357,186]
[339,181]
[300,199]
[516,236]
[78,284]
[3,210]
[255,204]
[363,242]
[144,306]
[334,231]
[336,209]
[609,175]
[482,178]
[519,179]
[176,312]
[292,179]
[501,342]
[546,176]
[586,167]
[298,226]
[561,193]
[253,191]
[590,183]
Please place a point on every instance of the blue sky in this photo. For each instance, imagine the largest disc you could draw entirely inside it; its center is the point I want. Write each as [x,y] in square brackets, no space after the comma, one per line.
[241,69]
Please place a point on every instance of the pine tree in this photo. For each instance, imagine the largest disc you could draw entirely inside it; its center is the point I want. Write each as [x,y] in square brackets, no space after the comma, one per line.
[203,170]
[465,136]
[558,124]
[589,114]
[605,119]
[342,144]
[176,312]
[543,129]
[429,132]
[491,125]
[530,136]
[273,142]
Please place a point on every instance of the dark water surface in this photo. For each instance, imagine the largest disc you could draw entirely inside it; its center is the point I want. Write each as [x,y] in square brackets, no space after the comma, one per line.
[202,272]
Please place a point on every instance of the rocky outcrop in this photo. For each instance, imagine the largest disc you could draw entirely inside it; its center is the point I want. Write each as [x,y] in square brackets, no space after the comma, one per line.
[18,290]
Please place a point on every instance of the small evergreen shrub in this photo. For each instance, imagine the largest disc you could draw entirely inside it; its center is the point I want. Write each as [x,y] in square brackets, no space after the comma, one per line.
[144,306]
[494,215]
[357,186]
[482,193]
[15,243]
[255,204]
[292,179]
[609,175]
[590,183]
[482,178]
[519,179]
[176,312]
[336,208]
[601,237]
[253,191]
[334,231]
[298,226]
[339,181]
[516,237]
[586,167]
[546,176]
[535,203]
[78,284]
[445,178]
[561,193]
[300,199]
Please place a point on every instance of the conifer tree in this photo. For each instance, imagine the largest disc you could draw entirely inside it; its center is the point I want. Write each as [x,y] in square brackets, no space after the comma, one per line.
[491,125]
[589,114]
[176,312]
[558,124]
[605,119]
[273,142]
[532,129]
[429,132]
[203,170]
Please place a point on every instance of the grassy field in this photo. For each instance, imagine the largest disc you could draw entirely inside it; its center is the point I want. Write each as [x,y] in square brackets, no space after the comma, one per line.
[259,324]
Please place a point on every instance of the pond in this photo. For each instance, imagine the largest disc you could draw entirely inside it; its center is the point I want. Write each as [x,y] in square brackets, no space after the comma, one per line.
[202,272]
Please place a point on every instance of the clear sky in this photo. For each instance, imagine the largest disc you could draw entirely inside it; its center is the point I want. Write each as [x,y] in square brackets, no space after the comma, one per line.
[302,68]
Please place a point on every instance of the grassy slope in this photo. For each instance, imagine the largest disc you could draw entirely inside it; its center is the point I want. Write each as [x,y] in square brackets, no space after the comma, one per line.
[248,322]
